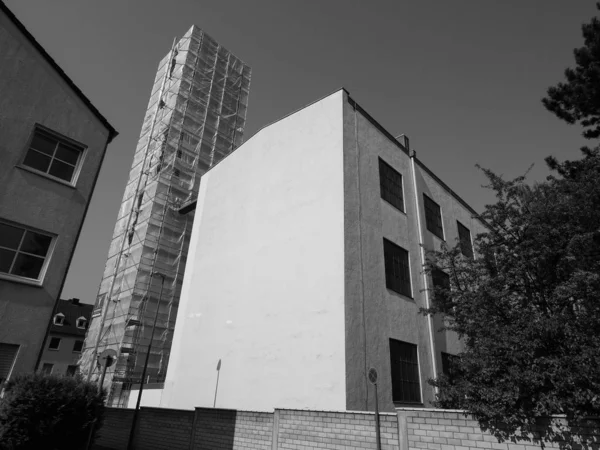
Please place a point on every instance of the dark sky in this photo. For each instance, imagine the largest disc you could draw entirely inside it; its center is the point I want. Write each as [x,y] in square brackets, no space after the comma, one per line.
[463,79]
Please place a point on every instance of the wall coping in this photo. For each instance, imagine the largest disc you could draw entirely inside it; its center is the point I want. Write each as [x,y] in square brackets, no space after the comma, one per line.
[337,411]
[438,410]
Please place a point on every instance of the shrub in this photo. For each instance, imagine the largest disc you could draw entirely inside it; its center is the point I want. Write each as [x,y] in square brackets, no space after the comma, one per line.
[48,411]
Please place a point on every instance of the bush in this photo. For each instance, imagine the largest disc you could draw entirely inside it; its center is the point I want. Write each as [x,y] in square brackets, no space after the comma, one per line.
[49,412]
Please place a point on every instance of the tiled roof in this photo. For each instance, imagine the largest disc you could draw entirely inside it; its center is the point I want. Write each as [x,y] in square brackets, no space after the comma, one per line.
[72,310]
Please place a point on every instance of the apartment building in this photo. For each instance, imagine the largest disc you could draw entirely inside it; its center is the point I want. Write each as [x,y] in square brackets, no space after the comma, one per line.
[52,143]
[65,338]
[309,272]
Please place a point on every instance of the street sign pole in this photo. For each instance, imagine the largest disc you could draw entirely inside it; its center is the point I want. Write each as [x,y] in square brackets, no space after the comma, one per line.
[373,380]
[105,359]
[217,387]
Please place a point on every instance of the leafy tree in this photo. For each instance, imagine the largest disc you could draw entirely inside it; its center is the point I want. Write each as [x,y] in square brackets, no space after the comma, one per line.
[578,99]
[48,412]
[528,307]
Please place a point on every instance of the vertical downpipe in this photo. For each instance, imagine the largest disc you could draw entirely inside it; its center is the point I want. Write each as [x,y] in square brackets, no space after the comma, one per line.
[425,278]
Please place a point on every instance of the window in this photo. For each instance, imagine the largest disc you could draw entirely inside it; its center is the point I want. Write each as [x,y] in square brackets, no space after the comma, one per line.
[59,319]
[54,155]
[176,173]
[441,280]
[47,368]
[397,269]
[71,370]
[449,363]
[78,346]
[8,355]
[23,252]
[464,236]
[390,183]
[433,217]
[81,323]
[54,343]
[406,385]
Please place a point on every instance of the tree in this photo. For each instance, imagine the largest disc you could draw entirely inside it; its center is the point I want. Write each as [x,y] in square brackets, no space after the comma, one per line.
[528,307]
[578,100]
[48,411]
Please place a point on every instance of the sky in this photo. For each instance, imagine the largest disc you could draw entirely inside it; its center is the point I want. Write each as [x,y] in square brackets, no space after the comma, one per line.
[463,78]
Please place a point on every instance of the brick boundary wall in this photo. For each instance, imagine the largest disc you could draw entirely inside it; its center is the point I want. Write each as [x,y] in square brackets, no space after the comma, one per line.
[290,429]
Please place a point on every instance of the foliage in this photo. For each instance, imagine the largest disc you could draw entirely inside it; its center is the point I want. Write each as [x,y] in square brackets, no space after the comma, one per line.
[48,411]
[578,100]
[528,308]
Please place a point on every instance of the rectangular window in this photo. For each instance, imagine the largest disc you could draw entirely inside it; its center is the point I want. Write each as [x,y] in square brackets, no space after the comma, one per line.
[54,155]
[47,368]
[440,280]
[464,236]
[78,346]
[406,385]
[8,355]
[390,183]
[433,217]
[23,252]
[54,343]
[397,268]
[448,363]
[71,370]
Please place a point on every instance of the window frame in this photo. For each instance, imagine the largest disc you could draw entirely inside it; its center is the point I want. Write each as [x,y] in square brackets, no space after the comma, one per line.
[83,150]
[388,283]
[75,343]
[383,164]
[50,343]
[460,240]
[427,198]
[81,318]
[62,322]
[74,372]
[42,275]
[416,363]
[51,368]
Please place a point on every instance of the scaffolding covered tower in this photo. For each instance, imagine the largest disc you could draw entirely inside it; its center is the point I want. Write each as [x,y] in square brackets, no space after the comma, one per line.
[195,118]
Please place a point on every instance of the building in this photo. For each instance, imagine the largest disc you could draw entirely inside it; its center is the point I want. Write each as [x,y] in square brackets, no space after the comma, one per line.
[65,337]
[52,143]
[309,271]
[195,117]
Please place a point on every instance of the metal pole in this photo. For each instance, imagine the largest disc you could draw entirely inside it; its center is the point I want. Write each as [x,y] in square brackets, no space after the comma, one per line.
[142,381]
[217,387]
[378,435]
[108,362]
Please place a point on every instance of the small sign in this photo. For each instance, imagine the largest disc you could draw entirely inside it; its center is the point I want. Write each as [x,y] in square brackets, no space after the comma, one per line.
[107,357]
[373,375]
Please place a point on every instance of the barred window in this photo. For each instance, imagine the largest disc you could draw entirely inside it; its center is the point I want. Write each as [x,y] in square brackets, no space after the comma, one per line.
[397,268]
[406,384]
[464,236]
[433,217]
[390,183]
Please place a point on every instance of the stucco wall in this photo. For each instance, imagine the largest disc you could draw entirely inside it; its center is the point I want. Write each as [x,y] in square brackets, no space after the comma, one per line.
[31,92]
[64,356]
[264,284]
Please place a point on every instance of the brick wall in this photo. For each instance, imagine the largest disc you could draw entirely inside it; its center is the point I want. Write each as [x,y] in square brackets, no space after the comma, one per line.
[299,429]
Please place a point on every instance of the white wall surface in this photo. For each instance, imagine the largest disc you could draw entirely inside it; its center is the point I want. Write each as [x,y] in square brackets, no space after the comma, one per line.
[264,284]
[150,397]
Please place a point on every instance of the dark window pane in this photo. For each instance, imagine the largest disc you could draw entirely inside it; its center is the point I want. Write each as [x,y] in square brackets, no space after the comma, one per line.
[10,236]
[441,280]
[464,236]
[71,371]
[78,346]
[47,368]
[67,154]
[54,343]
[433,217]
[61,170]
[44,144]
[37,160]
[6,259]
[28,266]
[390,183]
[35,243]
[406,385]
[449,364]
[397,269]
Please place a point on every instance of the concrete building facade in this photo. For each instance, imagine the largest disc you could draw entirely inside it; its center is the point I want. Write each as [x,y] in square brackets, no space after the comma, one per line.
[309,272]
[52,143]
[65,338]
[195,117]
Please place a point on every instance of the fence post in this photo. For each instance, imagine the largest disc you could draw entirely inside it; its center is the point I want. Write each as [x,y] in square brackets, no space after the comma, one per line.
[402,429]
[275,431]
[193,432]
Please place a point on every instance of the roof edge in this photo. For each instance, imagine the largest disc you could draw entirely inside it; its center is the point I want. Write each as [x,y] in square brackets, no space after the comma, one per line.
[112,132]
